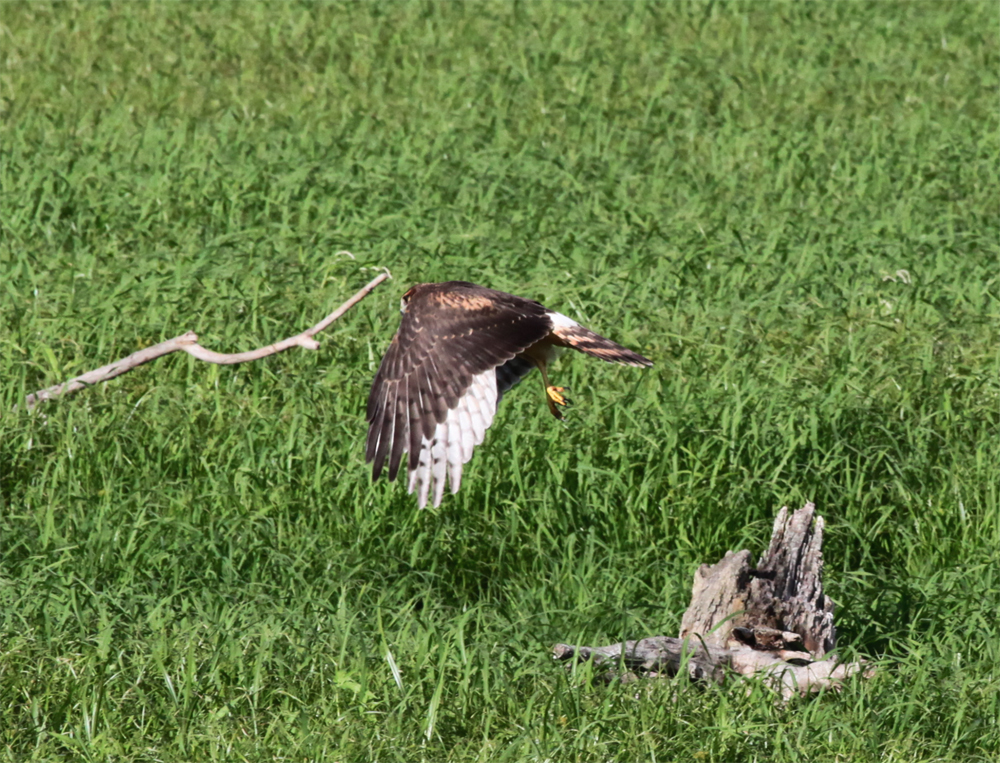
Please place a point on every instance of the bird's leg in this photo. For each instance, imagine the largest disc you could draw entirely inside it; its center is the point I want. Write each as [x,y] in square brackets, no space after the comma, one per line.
[554,395]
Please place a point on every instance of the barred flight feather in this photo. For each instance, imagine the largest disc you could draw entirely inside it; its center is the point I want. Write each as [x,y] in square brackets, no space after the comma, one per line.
[458,349]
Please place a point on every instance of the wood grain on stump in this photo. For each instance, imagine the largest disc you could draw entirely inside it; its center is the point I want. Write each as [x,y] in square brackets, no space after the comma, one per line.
[771,620]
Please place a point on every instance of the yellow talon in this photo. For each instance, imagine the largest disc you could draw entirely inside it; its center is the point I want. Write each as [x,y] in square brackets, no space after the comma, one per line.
[555,397]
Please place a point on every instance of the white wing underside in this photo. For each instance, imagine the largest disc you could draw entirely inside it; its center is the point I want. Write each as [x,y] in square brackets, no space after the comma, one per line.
[453,440]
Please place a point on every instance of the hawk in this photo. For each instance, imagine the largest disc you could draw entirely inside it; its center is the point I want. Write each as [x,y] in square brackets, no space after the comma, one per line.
[458,349]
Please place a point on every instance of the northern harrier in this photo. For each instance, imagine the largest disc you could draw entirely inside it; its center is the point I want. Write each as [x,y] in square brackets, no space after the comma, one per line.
[458,349]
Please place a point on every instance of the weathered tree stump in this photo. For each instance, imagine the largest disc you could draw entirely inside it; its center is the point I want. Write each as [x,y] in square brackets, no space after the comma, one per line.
[771,620]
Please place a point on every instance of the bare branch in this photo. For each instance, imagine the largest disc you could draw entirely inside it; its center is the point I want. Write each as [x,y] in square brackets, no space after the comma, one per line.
[188,342]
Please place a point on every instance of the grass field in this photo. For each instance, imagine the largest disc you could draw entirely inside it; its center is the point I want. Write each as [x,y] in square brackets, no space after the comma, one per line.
[794,209]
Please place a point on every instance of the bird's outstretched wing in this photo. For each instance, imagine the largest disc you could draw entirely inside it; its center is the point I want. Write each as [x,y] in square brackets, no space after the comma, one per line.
[569,333]
[435,393]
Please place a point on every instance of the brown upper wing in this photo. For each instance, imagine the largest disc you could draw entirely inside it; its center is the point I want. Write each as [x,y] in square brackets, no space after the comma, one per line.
[449,333]
[572,334]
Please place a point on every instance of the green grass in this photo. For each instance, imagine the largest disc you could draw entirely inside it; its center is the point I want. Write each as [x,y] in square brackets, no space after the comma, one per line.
[792,208]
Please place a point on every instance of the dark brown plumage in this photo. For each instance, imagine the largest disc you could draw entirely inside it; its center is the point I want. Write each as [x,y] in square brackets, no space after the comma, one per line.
[459,347]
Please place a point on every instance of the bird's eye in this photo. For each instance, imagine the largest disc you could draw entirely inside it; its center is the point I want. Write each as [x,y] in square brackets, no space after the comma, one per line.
[405,300]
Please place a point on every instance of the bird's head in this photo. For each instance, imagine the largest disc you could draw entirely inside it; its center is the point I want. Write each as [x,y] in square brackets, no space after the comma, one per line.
[405,300]
[415,291]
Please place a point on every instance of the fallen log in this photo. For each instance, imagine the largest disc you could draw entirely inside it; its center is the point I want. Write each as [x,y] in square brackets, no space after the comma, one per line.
[772,620]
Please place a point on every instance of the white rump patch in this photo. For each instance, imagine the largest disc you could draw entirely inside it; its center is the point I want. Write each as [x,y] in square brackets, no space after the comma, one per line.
[451,444]
[560,321]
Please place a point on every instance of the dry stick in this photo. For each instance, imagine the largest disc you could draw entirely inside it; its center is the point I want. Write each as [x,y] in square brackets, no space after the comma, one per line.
[189,343]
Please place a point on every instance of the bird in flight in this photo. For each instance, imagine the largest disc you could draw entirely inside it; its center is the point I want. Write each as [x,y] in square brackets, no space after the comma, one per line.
[458,349]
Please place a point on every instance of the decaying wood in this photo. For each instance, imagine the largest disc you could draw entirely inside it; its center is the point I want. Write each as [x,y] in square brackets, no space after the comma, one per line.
[782,594]
[786,592]
[188,342]
[772,620]
[654,656]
